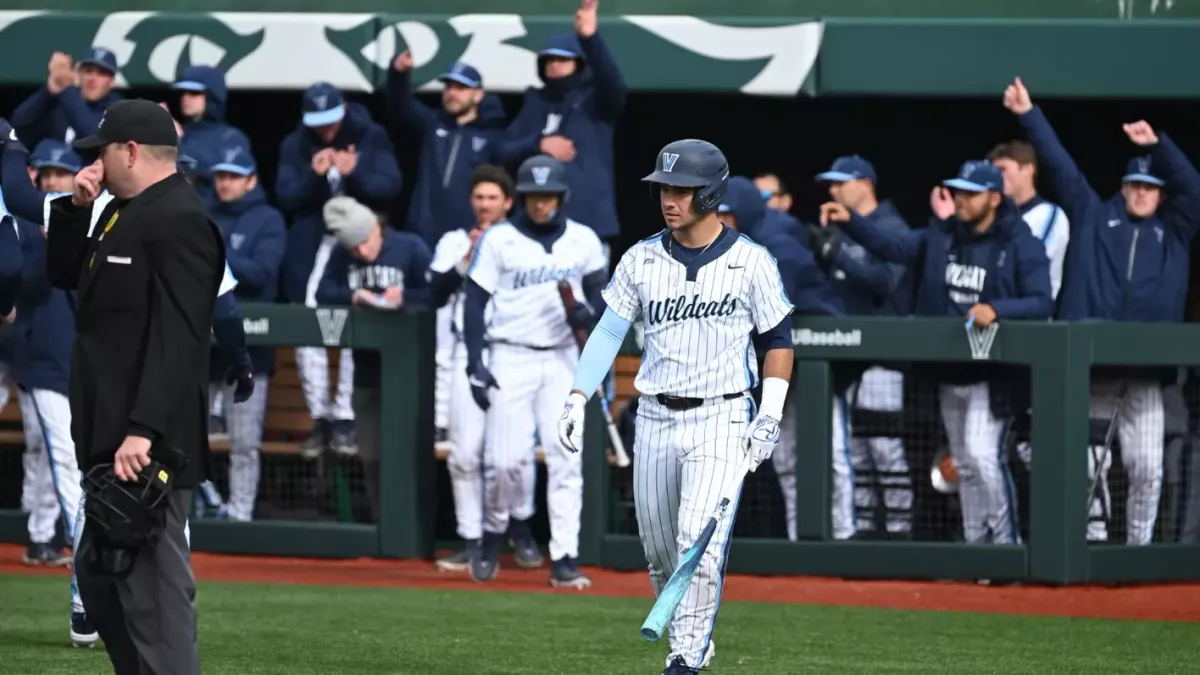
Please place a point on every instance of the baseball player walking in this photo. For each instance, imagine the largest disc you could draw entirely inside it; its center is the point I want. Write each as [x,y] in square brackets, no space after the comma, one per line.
[985,264]
[1128,261]
[702,290]
[516,269]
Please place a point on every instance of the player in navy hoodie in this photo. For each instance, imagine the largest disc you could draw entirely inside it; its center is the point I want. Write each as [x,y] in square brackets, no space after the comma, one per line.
[202,104]
[809,290]
[982,263]
[373,266]
[869,287]
[255,236]
[72,102]
[1128,260]
[572,116]
[336,150]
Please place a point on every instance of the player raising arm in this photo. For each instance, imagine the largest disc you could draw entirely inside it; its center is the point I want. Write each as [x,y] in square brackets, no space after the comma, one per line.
[701,290]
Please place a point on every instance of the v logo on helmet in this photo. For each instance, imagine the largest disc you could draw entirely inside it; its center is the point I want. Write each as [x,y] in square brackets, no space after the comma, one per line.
[669,159]
[541,174]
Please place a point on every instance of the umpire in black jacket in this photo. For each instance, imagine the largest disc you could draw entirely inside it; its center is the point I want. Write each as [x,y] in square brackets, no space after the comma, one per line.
[146,274]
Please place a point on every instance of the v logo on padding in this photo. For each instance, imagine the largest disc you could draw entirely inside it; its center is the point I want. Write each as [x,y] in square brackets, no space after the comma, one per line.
[980,340]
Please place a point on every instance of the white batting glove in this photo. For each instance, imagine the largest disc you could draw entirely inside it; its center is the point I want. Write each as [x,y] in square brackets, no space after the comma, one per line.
[570,424]
[761,438]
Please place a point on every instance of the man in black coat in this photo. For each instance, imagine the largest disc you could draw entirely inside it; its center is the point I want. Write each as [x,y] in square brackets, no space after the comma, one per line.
[146,278]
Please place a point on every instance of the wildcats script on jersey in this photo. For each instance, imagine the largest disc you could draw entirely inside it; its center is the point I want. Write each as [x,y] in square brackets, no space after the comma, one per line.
[698,316]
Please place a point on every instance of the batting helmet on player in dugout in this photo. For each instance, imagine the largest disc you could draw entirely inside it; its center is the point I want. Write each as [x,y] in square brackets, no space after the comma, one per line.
[542,174]
[692,163]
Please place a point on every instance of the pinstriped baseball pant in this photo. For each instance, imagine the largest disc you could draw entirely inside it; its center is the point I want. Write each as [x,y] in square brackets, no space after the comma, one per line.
[1140,428]
[313,366]
[245,422]
[681,462]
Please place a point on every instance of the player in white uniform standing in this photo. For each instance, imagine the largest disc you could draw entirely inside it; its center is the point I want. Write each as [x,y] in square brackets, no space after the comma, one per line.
[492,193]
[702,291]
[532,358]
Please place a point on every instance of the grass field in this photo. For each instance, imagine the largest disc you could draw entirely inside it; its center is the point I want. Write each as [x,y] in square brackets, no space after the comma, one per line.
[249,629]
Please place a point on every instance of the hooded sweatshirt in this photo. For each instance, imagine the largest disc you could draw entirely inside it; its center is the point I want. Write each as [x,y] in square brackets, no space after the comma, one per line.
[205,137]
[301,193]
[449,153]
[584,108]
[65,117]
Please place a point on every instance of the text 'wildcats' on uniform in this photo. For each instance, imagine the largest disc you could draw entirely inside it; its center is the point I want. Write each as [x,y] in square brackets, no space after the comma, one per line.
[698,317]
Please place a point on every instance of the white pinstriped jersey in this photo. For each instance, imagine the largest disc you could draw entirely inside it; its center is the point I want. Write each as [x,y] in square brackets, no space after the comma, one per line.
[1049,223]
[522,278]
[698,331]
[450,249]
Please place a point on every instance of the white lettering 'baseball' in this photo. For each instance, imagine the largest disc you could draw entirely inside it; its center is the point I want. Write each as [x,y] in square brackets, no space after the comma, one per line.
[698,333]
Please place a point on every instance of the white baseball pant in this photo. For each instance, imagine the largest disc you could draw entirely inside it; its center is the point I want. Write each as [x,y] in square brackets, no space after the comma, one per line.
[465,464]
[783,460]
[977,444]
[245,422]
[881,390]
[443,366]
[1141,429]
[681,462]
[313,366]
[532,386]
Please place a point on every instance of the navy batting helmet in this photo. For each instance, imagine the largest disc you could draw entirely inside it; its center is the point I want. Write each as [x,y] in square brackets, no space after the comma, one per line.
[692,163]
[542,174]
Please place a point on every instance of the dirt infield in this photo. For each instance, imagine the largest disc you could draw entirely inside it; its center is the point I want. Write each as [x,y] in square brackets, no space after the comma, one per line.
[1163,603]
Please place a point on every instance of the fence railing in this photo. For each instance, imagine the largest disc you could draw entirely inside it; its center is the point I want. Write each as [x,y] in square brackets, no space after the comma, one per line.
[1058,358]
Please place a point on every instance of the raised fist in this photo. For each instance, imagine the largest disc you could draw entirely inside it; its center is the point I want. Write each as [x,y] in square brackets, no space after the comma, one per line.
[403,62]
[1016,98]
[1141,133]
[585,18]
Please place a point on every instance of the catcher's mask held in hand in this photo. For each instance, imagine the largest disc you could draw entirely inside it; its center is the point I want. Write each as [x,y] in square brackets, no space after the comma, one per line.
[123,517]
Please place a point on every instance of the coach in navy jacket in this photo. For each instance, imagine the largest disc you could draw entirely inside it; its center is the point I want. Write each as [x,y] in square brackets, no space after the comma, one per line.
[744,201]
[572,118]
[73,111]
[867,285]
[466,132]
[1128,257]
[329,123]
[205,131]
[44,329]
[255,236]
[962,265]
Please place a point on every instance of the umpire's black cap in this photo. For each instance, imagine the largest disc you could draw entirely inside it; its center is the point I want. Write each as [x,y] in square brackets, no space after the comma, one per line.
[135,120]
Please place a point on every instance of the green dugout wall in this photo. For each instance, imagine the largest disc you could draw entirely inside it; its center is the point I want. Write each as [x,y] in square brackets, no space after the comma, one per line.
[1058,356]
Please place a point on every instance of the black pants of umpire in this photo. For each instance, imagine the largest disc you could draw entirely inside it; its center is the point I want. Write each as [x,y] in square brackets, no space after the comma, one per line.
[148,619]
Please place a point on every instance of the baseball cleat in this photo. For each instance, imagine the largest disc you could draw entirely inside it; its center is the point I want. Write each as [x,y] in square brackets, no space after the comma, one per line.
[679,667]
[45,555]
[83,633]
[525,549]
[486,565]
[342,439]
[317,441]
[461,561]
[564,573]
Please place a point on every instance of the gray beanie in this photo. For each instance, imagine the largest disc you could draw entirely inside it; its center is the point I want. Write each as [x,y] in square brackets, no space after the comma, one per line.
[349,221]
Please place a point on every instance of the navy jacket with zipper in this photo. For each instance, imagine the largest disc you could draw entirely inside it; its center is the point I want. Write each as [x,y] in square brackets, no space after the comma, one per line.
[441,199]
[44,329]
[1120,268]
[255,237]
[867,285]
[301,193]
[583,107]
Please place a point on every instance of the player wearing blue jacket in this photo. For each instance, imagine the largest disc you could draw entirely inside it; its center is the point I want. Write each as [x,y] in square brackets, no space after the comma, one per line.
[868,286]
[465,133]
[373,266]
[1128,261]
[72,102]
[203,100]
[336,150]
[255,236]
[746,210]
[572,116]
[982,263]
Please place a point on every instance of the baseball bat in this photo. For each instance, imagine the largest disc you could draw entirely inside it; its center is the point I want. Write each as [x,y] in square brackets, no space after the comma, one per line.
[581,337]
[673,592]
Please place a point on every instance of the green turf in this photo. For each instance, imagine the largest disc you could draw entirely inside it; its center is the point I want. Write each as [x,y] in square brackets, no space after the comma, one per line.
[315,630]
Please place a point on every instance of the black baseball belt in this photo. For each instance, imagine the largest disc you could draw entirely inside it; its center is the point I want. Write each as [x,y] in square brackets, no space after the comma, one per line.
[684,403]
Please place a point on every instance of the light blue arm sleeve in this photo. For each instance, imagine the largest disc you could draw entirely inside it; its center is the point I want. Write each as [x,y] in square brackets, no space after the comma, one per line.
[600,352]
